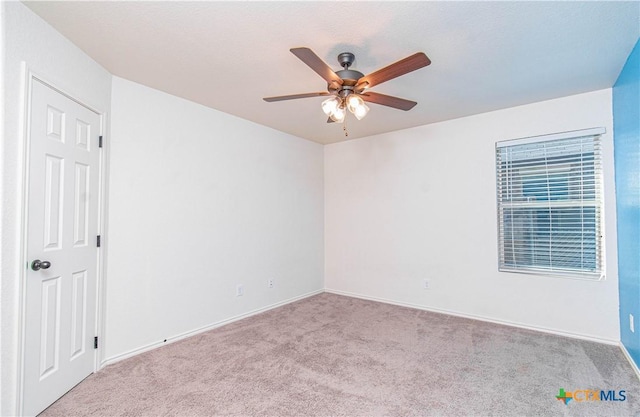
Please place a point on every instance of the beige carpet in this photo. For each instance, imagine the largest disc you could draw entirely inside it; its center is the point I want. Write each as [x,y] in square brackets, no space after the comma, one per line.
[330,355]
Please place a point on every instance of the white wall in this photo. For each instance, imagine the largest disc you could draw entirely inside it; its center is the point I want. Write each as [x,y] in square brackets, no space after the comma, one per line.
[421,204]
[28,38]
[201,201]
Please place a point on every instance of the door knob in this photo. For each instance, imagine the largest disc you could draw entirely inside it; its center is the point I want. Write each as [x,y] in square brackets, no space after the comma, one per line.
[38,265]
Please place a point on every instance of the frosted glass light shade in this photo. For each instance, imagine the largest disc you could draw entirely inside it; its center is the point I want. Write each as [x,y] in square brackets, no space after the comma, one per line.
[361,111]
[338,115]
[354,102]
[330,105]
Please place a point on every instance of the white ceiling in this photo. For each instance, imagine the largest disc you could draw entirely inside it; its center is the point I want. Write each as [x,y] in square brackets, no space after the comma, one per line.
[228,55]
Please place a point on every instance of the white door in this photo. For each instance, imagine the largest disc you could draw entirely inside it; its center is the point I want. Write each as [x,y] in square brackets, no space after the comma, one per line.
[60,303]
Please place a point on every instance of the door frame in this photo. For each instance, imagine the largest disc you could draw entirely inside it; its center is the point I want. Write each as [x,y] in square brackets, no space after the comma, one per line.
[29,77]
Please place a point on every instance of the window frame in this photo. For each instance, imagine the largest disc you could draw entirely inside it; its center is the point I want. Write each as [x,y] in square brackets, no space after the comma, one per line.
[598,207]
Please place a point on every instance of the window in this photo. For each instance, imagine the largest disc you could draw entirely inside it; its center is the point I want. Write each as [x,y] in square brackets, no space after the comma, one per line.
[549,191]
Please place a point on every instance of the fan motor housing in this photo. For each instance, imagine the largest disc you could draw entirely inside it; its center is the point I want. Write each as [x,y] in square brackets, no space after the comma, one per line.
[349,80]
[349,77]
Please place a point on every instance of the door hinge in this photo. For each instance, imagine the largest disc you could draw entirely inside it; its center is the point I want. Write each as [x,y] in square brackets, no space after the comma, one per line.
[98,241]
[100,141]
[95,342]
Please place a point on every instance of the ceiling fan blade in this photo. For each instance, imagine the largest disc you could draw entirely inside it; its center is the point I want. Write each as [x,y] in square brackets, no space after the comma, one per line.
[330,120]
[404,66]
[314,62]
[390,101]
[295,96]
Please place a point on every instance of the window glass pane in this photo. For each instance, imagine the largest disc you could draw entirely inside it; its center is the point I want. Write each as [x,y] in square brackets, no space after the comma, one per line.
[549,205]
[556,238]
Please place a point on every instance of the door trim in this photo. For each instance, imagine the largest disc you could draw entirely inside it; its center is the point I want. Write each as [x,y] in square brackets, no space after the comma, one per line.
[28,78]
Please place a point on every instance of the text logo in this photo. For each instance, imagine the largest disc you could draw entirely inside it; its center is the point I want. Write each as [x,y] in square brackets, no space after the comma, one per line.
[587,395]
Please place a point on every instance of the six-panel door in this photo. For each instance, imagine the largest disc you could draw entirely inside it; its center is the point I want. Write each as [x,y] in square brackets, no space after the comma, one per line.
[62,226]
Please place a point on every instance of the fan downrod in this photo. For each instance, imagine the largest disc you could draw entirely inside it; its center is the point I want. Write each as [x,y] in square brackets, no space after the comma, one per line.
[348,76]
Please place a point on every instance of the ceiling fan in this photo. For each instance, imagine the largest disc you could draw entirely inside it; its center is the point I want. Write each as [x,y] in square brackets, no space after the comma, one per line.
[348,89]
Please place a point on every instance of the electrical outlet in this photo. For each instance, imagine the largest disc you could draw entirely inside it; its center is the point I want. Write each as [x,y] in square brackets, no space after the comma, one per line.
[270,283]
[632,326]
[425,284]
[240,290]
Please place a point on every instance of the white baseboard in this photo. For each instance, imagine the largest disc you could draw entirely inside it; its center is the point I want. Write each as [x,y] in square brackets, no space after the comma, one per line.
[480,318]
[151,346]
[627,355]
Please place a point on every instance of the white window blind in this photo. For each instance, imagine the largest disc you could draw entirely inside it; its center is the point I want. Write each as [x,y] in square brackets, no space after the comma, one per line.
[549,192]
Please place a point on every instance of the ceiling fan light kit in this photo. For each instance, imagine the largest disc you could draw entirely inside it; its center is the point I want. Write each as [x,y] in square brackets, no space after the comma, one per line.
[334,107]
[346,87]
